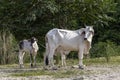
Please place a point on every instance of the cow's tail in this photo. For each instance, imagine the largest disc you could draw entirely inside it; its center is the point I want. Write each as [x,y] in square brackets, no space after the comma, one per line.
[46,52]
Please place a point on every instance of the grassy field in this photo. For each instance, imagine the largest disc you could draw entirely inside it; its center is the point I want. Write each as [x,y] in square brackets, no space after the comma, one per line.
[97,63]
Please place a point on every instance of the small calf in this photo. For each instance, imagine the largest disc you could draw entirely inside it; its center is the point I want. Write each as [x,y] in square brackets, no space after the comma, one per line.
[29,46]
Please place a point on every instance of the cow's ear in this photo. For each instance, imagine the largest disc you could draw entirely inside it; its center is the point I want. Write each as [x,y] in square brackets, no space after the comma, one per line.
[83,33]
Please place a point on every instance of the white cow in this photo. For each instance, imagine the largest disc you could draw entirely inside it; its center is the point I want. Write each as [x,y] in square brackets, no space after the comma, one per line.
[29,46]
[77,40]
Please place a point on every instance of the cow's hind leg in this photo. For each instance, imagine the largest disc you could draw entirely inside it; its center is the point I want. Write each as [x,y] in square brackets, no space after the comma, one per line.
[46,62]
[51,59]
[51,62]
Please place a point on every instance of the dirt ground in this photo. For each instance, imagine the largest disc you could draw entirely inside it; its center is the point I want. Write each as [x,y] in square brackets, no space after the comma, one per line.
[98,72]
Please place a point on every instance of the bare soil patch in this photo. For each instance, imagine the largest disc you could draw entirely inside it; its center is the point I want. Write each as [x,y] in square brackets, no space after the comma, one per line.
[91,72]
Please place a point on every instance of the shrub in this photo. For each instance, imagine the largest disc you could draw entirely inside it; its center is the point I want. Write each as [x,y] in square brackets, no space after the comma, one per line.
[7,48]
[104,49]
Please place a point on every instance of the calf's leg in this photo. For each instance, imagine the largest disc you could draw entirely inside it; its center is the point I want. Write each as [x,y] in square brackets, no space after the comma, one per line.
[31,60]
[63,58]
[21,55]
[34,58]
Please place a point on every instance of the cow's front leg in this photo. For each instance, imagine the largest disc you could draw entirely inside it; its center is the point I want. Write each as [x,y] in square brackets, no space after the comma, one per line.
[51,62]
[81,66]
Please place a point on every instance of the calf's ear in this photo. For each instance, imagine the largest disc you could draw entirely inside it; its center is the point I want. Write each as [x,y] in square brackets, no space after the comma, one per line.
[32,40]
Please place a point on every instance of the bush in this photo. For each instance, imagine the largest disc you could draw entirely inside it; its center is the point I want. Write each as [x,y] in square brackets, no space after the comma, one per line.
[104,49]
[7,48]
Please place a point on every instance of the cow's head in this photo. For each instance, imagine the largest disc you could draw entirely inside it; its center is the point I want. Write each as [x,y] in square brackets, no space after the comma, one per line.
[33,39]
[89,32]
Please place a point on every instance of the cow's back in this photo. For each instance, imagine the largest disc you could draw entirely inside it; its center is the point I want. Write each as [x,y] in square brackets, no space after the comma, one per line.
[70,40]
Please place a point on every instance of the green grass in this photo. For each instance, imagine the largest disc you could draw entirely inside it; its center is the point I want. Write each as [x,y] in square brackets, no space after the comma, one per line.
[32,73]
[56,74]
[98,61]
[61,73]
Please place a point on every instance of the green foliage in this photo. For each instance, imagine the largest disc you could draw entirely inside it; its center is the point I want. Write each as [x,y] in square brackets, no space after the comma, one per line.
[105,49]
[27,18]
[7,48]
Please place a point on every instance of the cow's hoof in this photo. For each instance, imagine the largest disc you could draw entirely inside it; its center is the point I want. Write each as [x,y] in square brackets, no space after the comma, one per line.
[21,66]
[81,66]
[75,66]
[54,68]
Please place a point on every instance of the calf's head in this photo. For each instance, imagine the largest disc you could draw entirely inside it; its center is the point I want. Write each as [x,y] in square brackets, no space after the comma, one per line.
[33,39]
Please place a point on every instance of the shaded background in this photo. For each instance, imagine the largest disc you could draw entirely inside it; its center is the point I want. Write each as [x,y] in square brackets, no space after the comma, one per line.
[22,19]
